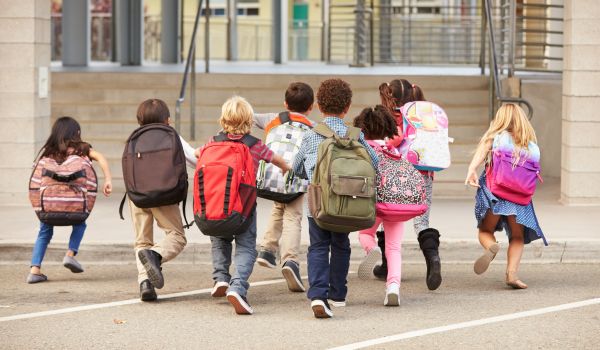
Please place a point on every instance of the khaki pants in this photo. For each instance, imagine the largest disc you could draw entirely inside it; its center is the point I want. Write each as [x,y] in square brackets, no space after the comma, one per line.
[283,231]
[168,218]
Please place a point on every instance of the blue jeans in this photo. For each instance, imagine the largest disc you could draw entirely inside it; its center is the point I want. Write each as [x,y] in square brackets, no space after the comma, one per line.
[245,257]
[327,276]
[44,237]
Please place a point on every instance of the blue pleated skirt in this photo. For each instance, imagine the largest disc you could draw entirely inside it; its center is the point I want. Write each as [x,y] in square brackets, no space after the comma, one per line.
[525,214]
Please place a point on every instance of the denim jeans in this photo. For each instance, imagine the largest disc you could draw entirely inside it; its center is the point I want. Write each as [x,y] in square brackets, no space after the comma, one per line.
[44,237]
[327,276]
[244,259]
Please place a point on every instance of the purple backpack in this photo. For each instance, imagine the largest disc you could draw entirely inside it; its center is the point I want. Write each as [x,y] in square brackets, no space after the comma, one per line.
[513,182]
[401,192]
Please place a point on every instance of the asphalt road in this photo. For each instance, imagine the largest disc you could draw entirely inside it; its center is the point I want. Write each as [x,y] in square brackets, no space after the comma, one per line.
[283,320]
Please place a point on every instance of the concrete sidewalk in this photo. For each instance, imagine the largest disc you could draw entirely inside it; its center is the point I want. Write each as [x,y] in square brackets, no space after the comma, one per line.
[571,231]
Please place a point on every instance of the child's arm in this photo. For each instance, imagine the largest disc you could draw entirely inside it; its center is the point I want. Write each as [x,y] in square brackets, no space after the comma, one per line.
[372,154]
[279,162]
[97,156]
[261,120]
[480,155]
[298,166]
[190,153]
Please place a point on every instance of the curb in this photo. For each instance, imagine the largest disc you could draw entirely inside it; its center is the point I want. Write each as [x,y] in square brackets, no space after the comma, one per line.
[558,252]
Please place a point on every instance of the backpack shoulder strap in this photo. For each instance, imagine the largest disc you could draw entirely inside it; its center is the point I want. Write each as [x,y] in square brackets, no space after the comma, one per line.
[353,133]
[249,140]
[220,137]
[284,117]
[323,130]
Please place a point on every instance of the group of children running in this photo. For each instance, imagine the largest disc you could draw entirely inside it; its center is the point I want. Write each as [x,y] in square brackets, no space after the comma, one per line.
[382,131]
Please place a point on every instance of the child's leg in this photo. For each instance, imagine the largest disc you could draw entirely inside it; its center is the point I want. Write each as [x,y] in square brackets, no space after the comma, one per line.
[340,264]
[168,218]
[318,261]
[367,237]
[143,223]
[487,229]
[292,229]
[245,257]
[40,246]
[488,242]
[75,238]
[394,233]
[274,229]
[515,251]
[221,259]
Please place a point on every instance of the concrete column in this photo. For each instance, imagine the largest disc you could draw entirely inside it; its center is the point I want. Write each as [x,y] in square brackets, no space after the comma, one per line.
[280,31]
[24,91]
[76,32]
[130,31]
[232,52]
[385,31]
[169,36]
[580,174]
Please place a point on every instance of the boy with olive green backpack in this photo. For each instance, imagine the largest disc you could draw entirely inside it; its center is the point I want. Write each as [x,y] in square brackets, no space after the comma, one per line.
[332,180]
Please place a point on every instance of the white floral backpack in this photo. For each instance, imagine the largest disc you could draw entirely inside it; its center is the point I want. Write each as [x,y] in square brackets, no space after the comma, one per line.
[426,141]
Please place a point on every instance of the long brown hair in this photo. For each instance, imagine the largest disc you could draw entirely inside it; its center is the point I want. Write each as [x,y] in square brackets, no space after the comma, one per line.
[395,94]
[65,140]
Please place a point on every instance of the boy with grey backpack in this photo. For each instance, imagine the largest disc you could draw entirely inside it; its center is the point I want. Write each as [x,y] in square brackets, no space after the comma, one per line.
[284,132]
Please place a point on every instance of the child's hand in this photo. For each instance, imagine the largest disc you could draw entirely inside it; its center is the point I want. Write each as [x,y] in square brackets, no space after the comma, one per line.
[107,188]
[472,178]
[285,168]
[197,152]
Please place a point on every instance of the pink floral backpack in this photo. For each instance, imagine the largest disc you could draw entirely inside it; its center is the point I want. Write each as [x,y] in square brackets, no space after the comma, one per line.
[401,192]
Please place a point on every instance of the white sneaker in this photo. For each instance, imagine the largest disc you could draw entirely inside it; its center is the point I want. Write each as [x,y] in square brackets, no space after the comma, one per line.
[337,303]
[392,295]
[365,269]
[321,309]
[219,289]
[239,303]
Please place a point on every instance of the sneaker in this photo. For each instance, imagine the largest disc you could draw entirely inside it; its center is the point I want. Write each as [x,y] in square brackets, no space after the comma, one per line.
[337,303]
[151,261]
[291,273]
[380,272]
[365,269]
[70,263]
[266,259]
[219,289]
[147,292]
[240,303]
[35,278]
[321,308]
[392,295]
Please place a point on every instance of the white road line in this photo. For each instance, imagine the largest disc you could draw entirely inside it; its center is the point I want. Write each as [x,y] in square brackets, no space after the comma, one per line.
[121,303]
[468,324]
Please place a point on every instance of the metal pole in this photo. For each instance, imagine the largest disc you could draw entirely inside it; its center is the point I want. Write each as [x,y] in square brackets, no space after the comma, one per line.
[193,98]
[206,37]
[512,37]
[325,31]
[483,38]
[371,34]
[360,35]
[409,32]
[232,54]
[329,33]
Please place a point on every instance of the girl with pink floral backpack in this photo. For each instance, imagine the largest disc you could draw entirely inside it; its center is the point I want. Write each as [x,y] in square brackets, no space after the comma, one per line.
[505,188]
[400,197]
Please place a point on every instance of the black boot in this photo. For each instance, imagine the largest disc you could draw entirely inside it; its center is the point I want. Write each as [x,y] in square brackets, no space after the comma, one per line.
[147,292]
[380,271]
[429,242]
[151,261]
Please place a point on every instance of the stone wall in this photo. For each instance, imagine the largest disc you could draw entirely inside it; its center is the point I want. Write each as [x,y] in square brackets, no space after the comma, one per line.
[24,49]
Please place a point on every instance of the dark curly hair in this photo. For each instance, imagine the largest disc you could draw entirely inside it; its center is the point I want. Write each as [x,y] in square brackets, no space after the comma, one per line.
[376,123]
[396,93]
[334,96]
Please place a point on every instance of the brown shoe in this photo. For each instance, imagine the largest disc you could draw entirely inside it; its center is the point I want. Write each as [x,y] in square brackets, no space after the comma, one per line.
[513,280]
[482,264]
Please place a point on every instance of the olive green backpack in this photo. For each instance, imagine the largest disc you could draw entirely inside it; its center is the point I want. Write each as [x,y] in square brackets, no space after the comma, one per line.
[341,197]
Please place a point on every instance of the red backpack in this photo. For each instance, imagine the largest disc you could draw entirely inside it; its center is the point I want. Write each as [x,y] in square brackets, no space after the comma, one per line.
[225,186]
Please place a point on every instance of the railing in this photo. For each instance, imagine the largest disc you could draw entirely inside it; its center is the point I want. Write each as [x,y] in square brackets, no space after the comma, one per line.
[190,63]
[496,86]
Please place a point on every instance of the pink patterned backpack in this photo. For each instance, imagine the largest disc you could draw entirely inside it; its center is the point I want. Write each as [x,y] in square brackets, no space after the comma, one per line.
[400,187]
[63,194]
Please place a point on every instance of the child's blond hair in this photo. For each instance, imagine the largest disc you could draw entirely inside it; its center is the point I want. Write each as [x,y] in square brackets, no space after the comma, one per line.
[236,116]
[510,117]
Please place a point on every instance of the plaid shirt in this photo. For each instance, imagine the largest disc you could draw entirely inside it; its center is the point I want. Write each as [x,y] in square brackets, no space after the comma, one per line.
[306,159]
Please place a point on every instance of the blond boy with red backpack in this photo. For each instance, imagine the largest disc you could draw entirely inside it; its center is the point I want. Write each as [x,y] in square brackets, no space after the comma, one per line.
[225,199]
